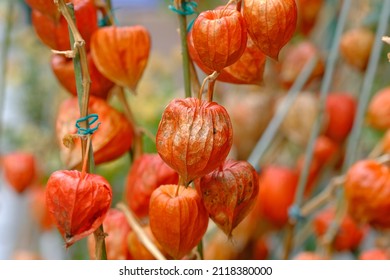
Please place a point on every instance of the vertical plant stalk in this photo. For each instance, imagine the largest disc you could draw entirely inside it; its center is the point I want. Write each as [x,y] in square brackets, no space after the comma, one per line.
[267,138]
[139,232]
[325,86]
[3,65]
[184,49]
[353,141]
[83,82]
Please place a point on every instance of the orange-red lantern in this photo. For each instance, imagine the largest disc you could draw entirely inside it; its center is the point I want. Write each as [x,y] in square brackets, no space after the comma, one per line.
[54,33]
[229,193]
[121,53]
[78,203]
[270,23]
[112,140]
[147,173]
[19,170]
[367,186]
[178,219]
[63,68]
[219,37]
[194,136]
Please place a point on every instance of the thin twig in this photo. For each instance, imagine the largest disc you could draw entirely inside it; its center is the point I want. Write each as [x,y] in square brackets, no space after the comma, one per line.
[139,232]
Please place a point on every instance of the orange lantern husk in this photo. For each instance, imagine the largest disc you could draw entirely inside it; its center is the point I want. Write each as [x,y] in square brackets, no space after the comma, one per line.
[194,136]
[121,53]
[78,203]
[178,219]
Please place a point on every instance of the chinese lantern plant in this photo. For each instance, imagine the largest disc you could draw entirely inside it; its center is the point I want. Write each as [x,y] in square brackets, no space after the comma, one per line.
[366,191]
[64,71]
[112,140]
[194,136]
[229,193]
[276,194]
[54,33]
[20,169]
[270,23]
[308,14]
[178,219]
[349,234]
[147,173]
[355,47]
[340,115]
[78,202]
[219,37]
[378,110]
[48,8]
[121,53]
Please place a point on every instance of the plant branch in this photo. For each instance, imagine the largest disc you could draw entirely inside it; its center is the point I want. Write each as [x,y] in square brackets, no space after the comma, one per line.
[83,82]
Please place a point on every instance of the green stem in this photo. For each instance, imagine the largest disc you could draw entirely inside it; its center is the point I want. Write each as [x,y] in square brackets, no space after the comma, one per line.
[3,61]
[185,54]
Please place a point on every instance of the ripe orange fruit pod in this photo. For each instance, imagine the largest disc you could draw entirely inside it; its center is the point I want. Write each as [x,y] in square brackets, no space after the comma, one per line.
[367,187]
[325,150]
[219,37]
[147,173]
[64,71]
[356,45]
[112,140]
[349,234]
[270,23]
[308,14]
[248,69]
[121,53]
[117,229]
[296,58]
[229,193]
[54,33]
[277,190]
[194,136]
[48,8]
[178,219]
[19,169]
[340,115]
[378,113]
[78,203]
